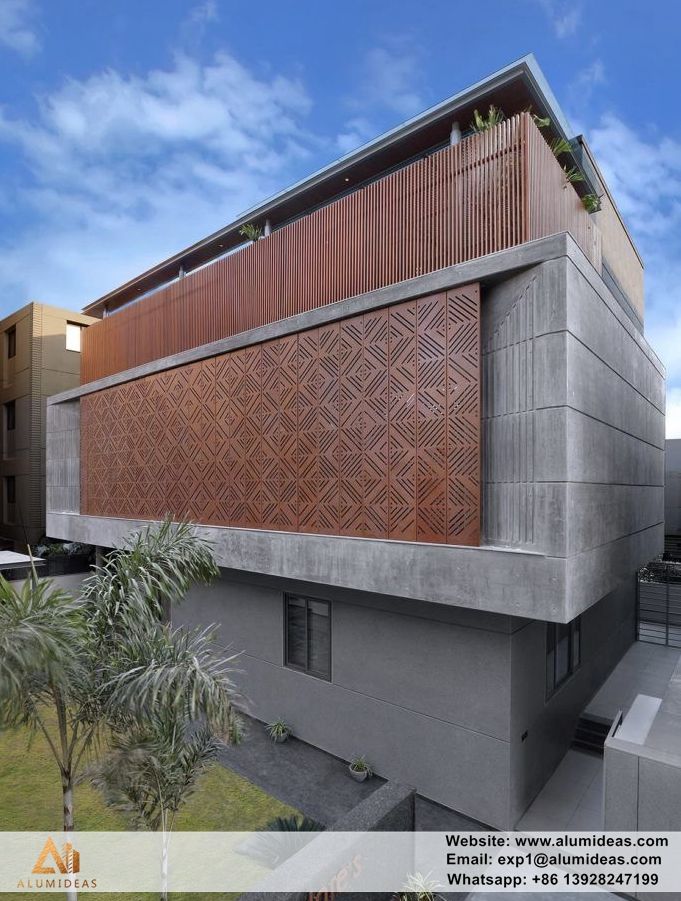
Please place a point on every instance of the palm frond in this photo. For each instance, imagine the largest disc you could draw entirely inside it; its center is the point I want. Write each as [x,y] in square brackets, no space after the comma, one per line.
[142,580]
[152,771]
[41,634]
[175,670]
[559,146]
[573,174]
[483,123]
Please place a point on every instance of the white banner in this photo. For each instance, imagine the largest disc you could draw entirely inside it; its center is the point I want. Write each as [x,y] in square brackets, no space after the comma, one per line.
[334,862]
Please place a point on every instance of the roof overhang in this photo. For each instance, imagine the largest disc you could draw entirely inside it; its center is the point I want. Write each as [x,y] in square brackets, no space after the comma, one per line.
[514,88]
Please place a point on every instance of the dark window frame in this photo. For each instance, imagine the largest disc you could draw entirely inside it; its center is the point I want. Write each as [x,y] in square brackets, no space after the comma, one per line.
[316,674]
[10,480]
[10,415]
[11,334]
[574,653]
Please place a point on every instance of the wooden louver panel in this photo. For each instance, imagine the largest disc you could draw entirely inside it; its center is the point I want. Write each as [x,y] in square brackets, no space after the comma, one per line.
[490,192]
[366,427]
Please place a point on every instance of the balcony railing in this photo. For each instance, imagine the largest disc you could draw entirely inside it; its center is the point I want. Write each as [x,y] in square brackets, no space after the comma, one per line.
[490,192]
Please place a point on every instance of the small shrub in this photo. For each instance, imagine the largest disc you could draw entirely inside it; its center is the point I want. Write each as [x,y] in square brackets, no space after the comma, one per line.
[482,123]
[360,765]
[276,843]
[278,730]
[251,232]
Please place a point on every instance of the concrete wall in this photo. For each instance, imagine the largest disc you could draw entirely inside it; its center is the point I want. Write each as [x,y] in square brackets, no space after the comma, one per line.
[63,460]
[643,767]
[436,697]
[424,692]
[573,428]
[572,456]
[573,425]
[672,487]
[542,729]
[390,808]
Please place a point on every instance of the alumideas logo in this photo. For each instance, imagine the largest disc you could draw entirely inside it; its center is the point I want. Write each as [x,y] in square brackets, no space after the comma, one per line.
[60,865]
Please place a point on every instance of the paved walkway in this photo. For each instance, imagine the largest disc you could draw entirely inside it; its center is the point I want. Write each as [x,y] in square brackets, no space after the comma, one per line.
[644,670]
[316,783]
[573,796]
[571,799]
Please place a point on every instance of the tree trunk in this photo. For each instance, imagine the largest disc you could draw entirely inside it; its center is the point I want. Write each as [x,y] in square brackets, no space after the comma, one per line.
[67,794]
[164,867]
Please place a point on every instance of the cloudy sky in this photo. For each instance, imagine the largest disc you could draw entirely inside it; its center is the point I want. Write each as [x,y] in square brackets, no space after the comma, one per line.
[131,129]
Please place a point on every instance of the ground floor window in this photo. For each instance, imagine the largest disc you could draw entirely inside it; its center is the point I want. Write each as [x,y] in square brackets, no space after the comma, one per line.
[308,635]
[563,652]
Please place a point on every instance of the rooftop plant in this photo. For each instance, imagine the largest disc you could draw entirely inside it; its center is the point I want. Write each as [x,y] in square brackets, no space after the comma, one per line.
[251,232]
[483,123]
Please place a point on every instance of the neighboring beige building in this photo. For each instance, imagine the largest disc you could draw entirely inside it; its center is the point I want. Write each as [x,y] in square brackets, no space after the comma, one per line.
[40,356]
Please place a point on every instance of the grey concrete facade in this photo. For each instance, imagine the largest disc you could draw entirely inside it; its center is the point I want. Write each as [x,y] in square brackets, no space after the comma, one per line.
[643,767]
[573,424]
[439,652]
[449,700]
[63,457]
[672,487]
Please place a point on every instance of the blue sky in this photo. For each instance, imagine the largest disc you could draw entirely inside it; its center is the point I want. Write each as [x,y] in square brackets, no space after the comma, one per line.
[131,129]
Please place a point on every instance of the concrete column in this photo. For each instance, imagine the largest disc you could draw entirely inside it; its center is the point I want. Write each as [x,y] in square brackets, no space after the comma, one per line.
[455,134]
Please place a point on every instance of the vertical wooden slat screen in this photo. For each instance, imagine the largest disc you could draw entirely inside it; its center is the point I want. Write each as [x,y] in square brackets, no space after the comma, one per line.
[490,192]
[365,427]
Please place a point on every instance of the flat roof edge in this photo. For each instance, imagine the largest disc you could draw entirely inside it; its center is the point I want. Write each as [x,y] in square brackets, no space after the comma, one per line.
[168,268]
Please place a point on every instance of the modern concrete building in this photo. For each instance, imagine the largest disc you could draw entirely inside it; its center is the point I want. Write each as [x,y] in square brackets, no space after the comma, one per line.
[422,426]
[40,354]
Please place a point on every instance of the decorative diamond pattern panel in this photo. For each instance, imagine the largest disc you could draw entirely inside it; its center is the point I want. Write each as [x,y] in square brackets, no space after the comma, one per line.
[366,427]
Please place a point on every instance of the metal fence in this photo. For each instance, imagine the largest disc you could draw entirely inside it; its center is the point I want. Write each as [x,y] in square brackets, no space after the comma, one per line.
[659,604]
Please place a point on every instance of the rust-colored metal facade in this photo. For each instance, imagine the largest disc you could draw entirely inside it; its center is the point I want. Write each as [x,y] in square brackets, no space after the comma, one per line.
[368,427]
[490,192]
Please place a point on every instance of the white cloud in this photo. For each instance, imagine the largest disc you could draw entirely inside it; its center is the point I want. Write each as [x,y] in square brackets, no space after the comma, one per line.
[565,17]
[389,81]
[673,422]
[125,170]
[391,74]
[204,12]
[582,88]
[17,29]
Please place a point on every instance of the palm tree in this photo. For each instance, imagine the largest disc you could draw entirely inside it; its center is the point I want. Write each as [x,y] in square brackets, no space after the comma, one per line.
[91,664]
[178,713]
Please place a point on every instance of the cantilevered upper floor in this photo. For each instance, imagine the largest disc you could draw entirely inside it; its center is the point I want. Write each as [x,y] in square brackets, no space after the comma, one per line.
[434,385]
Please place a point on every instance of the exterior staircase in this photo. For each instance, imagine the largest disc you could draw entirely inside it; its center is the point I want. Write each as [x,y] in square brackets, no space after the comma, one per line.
[590,734]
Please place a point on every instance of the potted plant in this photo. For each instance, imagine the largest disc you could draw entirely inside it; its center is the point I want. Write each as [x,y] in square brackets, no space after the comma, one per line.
[278,731]
[419,888]
[360,769]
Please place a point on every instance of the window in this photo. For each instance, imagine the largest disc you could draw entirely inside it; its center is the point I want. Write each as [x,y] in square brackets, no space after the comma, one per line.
[10,489]
[73,331]
[563,652]
[10,416]
[308,635]
[11,334]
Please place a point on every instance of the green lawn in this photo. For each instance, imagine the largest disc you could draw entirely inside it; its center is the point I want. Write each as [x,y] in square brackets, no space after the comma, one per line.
[30,799]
